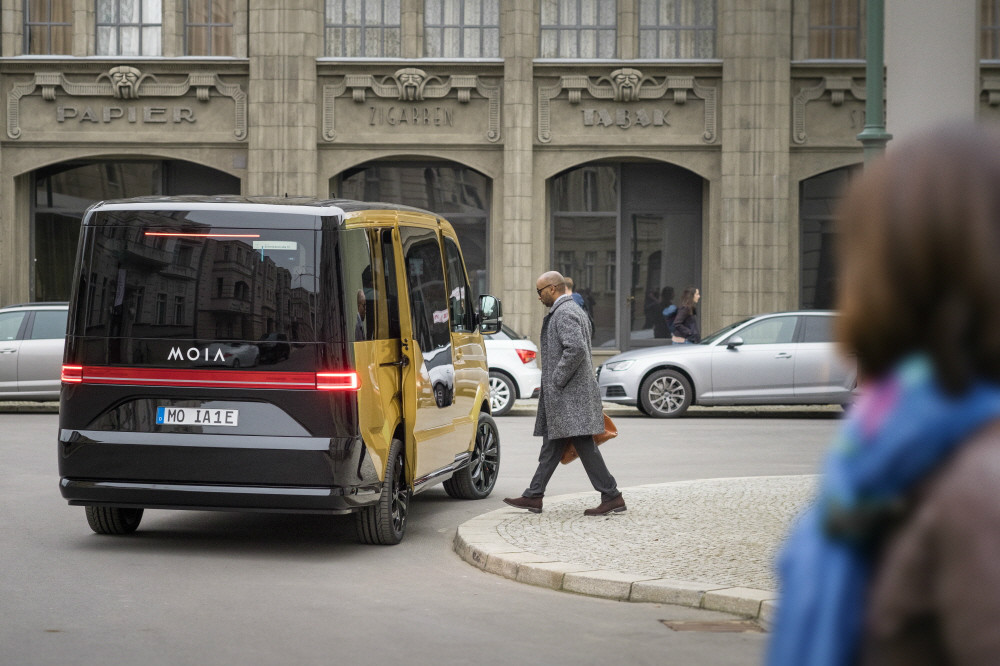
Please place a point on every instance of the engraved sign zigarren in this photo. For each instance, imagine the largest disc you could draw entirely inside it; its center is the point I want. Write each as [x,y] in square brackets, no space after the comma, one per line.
[413,86]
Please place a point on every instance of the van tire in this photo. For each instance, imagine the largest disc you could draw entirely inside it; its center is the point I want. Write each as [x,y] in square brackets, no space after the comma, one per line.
[113,520]
[476,480]
[384,523]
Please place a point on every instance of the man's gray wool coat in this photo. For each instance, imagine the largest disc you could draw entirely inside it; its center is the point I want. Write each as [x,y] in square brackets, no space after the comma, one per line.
[570,403]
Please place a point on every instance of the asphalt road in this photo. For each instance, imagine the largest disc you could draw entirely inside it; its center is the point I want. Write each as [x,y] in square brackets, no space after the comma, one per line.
[222,588]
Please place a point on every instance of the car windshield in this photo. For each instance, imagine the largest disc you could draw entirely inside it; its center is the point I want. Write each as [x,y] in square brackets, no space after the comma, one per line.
[722,332]
[506,333]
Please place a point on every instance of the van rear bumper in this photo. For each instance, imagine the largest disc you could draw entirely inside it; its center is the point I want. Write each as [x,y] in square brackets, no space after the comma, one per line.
[221,472]
[219,498]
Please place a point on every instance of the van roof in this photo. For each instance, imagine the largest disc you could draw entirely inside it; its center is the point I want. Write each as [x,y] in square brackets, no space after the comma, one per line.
[294,204]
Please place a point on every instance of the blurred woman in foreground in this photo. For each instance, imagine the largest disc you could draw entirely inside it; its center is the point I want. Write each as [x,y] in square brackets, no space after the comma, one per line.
[898,560]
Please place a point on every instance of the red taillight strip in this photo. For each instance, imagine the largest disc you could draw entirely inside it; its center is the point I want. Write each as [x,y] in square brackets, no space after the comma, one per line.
[72,374]
[338,381]
[211,378]
[183,235]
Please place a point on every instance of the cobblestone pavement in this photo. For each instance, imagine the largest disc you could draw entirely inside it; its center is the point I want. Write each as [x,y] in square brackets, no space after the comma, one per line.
[708,543]
[716,531]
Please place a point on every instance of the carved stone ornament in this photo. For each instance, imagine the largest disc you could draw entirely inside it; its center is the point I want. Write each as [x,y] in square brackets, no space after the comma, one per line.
[837,86]
[627,85]
[991,86]
[411,84]
[127,83]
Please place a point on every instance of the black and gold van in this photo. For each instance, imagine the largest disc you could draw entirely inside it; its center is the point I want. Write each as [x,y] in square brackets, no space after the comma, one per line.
[273,354]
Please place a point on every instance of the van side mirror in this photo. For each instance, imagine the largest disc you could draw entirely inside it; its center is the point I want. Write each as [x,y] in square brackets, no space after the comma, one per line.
[490,314]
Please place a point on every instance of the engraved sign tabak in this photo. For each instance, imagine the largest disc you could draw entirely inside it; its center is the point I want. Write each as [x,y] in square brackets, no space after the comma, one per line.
[671,109]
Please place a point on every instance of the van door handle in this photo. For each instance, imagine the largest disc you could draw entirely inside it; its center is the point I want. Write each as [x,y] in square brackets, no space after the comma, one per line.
[401,363]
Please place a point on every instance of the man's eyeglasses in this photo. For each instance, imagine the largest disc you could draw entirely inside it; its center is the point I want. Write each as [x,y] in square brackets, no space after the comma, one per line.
[544,288]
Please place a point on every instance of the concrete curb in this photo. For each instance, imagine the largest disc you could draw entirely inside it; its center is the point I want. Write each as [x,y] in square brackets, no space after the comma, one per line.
[29,407]
[479,543]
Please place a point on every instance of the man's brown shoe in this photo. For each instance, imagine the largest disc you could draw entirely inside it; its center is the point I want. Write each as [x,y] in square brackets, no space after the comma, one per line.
[616,505]
[532,504]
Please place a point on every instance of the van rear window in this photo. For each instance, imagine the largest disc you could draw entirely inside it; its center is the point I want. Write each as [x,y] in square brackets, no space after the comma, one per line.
[207,275]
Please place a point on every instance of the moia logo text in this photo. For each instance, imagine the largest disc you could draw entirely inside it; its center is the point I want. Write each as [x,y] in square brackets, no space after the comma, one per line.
[195,354]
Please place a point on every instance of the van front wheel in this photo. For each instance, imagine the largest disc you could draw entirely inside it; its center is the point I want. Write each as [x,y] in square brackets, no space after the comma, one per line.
[476,480]
[384,523]
[113,520]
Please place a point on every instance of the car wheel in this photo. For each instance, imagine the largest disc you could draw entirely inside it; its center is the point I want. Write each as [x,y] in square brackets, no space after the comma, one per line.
[113,520]
[665,394]
[476,480]
[502,393]
[384,522]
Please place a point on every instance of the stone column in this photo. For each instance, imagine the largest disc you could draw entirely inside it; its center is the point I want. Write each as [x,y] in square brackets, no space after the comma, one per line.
[753,270]
[514,275]
[285,39]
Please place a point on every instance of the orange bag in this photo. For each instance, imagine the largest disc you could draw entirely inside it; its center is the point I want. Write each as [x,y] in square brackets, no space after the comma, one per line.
[610,432]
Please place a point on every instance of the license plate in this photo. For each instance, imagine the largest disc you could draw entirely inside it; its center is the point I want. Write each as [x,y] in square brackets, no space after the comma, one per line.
[197,416]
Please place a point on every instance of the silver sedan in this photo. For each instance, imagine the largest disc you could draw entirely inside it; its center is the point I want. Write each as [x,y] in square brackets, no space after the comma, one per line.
[784,358]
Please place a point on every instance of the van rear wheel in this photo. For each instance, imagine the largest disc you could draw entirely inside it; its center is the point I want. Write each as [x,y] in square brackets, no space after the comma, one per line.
[384,523]
[113,520]
[476,480]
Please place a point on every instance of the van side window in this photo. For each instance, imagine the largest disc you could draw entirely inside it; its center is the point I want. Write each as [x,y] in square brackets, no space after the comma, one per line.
[458,289]
[388,276]
[360,295]
[425,280]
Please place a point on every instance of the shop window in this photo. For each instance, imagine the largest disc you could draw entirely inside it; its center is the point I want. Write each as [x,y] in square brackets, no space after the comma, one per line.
[989,45]
[677,29]
[818,197]
[624,233]
[129,27]
[461,29]
[208,27]
[835,30]
[578,29]
[362,29]
[48,27]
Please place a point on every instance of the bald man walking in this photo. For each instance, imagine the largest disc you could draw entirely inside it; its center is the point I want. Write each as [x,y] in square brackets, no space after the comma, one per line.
[569,407]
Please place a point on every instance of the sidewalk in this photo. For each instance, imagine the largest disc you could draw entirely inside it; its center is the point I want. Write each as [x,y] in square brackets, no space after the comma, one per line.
[707,544]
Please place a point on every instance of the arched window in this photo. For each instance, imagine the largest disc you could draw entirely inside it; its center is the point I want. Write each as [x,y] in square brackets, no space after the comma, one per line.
[624,232]
[818,197]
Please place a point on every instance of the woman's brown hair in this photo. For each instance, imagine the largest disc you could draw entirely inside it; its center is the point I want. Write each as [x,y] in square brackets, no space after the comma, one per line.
[687,298]
[919,256]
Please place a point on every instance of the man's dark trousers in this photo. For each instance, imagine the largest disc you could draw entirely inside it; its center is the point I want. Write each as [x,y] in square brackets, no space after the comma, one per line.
[593,464]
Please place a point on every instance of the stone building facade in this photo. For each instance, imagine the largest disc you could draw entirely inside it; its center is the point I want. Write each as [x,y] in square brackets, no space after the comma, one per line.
[632,144]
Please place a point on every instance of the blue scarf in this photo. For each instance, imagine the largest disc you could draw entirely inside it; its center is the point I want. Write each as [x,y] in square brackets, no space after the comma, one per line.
[900,432]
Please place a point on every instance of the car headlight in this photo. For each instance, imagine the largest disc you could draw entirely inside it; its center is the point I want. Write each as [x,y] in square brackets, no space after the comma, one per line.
[618,366]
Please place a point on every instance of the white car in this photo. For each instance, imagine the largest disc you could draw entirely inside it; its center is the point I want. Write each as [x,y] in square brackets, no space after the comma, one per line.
[233,354]
[514,369]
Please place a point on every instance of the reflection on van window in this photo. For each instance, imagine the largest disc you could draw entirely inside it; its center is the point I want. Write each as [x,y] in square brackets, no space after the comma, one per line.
[429,310]
[458,290]
[202,275]
[425,277]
